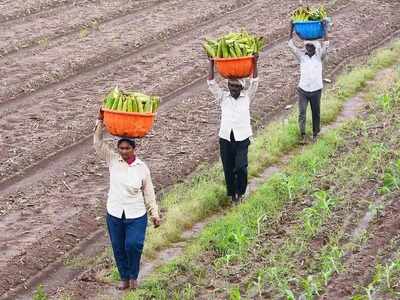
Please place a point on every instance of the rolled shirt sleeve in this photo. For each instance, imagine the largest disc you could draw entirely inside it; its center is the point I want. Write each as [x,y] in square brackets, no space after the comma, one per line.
[324,49]
[103,150]
[296,51]
[252,89]
[149,195]
[215,90]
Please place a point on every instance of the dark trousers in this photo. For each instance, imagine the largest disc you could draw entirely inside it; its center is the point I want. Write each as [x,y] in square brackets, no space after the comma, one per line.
[127,239]
[315,100]
[234,161]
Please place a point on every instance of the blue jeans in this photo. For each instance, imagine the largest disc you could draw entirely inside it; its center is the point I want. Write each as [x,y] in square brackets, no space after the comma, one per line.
[127,239]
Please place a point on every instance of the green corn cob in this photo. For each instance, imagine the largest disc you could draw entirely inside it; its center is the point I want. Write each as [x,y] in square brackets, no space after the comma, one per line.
[156,103]
[232,51]
[125,106]
[219,50]
[120,104]
[140,106]
[238,50]
[209,49]
[115,104]
[148,107]
[111,103]
[225,50]
[134,104]
[130,105]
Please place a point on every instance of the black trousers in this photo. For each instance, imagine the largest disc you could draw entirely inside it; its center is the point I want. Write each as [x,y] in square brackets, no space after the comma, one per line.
[235,162]
[315,100]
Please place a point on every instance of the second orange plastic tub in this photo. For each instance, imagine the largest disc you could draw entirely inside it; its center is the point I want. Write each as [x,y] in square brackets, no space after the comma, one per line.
[128,124]
[235,67]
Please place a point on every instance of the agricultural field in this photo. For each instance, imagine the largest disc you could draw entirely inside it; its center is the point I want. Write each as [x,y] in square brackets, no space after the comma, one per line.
[321,221]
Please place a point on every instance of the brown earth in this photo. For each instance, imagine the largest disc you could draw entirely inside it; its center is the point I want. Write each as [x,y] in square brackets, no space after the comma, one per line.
[52,187]
[359,267]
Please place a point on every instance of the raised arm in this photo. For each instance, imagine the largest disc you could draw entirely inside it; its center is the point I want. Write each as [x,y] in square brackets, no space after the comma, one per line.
[296,51]
[102,149]
[212,84]
[150,198]
[325,43]
[252,89]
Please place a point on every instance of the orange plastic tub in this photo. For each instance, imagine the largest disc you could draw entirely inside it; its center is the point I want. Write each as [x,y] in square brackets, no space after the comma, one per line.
[236,67]
[128,124]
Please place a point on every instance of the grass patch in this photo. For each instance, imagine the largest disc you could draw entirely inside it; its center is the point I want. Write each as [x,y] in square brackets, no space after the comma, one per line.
[40,294]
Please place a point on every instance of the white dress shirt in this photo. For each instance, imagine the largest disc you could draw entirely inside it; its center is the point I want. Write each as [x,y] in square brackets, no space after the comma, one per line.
[310,67]
[131,188]
[235,113]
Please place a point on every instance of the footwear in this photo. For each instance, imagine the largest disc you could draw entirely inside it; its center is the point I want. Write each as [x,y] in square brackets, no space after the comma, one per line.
[303,139]
[123,285]
[240,198]
[133,284]
[315,138]
[234,199]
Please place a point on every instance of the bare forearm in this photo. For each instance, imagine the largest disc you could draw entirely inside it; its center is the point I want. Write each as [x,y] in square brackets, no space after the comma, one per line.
[211,70]
[291,26]
[151,204]
[325,30]
[98,135]
[102,149]
[294,49]
[255,70]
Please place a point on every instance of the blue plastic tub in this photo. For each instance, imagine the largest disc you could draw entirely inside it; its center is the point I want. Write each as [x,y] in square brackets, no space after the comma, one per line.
[309,30]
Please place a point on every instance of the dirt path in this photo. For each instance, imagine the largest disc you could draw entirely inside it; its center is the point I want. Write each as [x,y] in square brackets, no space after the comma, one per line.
[54,206]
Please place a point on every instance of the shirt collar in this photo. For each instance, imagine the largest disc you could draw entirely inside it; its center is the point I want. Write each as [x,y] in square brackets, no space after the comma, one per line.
[136,162]
[242,94]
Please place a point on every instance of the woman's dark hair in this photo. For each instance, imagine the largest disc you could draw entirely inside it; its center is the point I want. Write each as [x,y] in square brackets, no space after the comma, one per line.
[129,141]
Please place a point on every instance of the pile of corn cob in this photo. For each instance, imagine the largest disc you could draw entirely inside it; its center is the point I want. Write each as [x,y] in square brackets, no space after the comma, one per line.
[234,45]
[303,14]
[131,102]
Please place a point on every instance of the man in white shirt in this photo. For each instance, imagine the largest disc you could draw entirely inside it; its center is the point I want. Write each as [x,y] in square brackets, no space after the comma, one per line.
[310,85]
[235,129]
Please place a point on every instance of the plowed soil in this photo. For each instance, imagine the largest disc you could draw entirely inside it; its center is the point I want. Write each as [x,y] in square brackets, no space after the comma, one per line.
[59,57]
